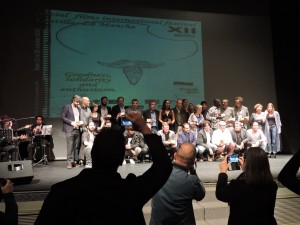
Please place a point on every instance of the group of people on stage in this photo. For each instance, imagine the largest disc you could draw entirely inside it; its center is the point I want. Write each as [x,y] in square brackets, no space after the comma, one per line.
[25,143]
[214,131]
[171,186]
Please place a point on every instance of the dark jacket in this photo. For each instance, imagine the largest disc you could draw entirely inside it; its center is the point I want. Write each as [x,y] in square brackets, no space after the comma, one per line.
[173,203]
[102,197]
[10,216]
[249,205]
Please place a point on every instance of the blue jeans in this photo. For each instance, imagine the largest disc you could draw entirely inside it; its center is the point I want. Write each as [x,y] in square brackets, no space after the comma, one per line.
[273,136]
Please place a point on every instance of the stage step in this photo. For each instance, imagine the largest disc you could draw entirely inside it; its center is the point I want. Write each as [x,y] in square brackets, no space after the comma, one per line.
[209,211]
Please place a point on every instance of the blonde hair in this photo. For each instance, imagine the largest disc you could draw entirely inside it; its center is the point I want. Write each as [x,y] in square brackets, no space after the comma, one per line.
[257,105]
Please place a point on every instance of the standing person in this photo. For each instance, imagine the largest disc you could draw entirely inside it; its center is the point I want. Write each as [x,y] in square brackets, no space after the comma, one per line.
[102,188]
[288,175]
[72,122]
[134,107]
[96,116]
[214,114]
[153,114]
[185,105]
[204,109]
[252,195]
[241,112]
[258,116]
[86,114]
[272,130]
[227,114]
[117,112]
[10,216]
[181,116]
[196,119]
[104,109]
[173,203]
[166,114]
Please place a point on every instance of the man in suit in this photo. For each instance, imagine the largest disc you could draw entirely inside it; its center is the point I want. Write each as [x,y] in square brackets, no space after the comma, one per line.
[117,112]
[153,114]
[71,118]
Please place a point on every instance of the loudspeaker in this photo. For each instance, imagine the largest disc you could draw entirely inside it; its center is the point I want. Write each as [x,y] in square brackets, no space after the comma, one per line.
[19,172]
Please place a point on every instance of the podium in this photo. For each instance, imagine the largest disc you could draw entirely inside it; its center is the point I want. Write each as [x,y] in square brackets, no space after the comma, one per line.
[19,172]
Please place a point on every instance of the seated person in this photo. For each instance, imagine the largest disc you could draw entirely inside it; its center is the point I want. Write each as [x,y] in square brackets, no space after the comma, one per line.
[204,145]
[168,138]
[222,139]
[239,137]
[135,146]
[186,135]
[256,137]
[87,141]
[9,149]
[39,141]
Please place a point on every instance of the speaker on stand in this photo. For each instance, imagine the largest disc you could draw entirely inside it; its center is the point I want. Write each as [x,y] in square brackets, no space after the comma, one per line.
[19,172]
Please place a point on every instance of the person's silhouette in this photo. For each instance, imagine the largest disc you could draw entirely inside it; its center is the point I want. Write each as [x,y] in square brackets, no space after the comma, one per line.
[100,194]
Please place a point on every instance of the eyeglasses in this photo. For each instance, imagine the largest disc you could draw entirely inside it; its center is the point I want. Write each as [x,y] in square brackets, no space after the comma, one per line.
[148,122]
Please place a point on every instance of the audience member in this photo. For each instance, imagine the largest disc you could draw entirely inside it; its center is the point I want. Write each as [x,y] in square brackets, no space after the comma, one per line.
[272,130]
[10,216]
[204,145]
[168,138]
[95,193]
[252,195]
[172,204]
[288,175]
[71,118]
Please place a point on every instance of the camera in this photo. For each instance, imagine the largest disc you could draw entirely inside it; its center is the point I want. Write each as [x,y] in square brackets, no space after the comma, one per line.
[125,121]
[233,158]
[234,162]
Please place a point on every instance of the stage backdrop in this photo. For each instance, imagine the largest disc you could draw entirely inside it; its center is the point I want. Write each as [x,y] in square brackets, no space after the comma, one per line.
[147,54]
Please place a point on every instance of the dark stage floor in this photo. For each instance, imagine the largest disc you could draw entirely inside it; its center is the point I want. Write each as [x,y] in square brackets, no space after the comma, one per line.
[47,175]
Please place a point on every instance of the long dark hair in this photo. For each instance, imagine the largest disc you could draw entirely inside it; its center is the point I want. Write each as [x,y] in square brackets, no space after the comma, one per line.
[257,168]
